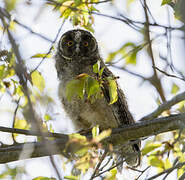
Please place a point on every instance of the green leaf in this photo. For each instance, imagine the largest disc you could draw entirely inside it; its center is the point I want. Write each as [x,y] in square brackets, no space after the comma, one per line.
[38,81]
[10,4]
[92,86]
[2,68]
[131,59]
[77,2]
[165,2]
[174,89]
[41,56]
[150,147]
[96,67]
[101,71]
[75,87]
[111,57]
[112,90]
[128,51]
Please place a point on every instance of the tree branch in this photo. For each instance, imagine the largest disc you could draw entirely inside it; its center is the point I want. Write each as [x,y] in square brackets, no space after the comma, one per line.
[165,106]
[9,153]
[156,81]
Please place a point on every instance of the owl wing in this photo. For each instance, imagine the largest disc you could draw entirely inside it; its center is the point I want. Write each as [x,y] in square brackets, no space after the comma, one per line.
[123,117]
[120,107]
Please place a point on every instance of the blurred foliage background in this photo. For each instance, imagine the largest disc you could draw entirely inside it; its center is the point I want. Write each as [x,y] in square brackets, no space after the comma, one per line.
[141,41]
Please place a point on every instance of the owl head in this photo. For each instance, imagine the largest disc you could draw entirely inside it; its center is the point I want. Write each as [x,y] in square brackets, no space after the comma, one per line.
[77,43]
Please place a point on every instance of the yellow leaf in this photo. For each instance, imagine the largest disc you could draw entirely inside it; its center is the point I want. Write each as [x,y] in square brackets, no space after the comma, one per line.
[83,163]
[174,89]
[21,124]
[38,81]
[47,117]
[71,177]
[19,91]
[111,174]
[41,56]
[180,171]
[103,135]
[12,25]
[43,178]
[149,146]
[77,136]
[156,162]
[95,131]
[167,163]
[65,6]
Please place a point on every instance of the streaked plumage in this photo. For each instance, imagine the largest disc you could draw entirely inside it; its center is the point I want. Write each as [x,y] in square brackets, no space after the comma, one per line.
[76,54]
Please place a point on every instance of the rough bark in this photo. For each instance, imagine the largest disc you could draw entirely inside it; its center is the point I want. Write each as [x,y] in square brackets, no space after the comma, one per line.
[9,153]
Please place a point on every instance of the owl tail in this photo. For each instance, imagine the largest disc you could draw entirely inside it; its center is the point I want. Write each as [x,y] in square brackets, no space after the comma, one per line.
[129,154]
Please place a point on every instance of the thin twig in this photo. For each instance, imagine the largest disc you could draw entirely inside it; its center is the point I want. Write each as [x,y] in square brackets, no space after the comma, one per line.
[179,165]
[170,75]
[6,14]
[121,162]
[99,164]
[125,20]
[50,47]
[143,172]
[32,133]
[55,167]
[157,81]
[14,119]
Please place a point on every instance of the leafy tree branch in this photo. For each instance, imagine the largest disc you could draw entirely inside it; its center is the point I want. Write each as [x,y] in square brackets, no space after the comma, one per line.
[9,153]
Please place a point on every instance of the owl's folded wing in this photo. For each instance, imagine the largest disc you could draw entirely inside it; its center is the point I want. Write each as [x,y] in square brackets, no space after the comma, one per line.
[123,117]
[119,108]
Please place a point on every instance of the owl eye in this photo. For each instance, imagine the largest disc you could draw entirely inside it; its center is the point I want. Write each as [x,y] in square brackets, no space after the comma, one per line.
[69,43]
[86,43]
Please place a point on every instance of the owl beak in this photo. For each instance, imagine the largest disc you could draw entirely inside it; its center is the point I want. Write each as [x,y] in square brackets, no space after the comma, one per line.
[77,50]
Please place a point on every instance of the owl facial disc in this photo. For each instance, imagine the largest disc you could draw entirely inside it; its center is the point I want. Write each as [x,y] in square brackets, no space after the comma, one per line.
[78,45]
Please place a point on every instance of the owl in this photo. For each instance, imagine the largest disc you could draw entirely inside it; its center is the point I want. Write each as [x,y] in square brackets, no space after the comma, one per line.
[76,54]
